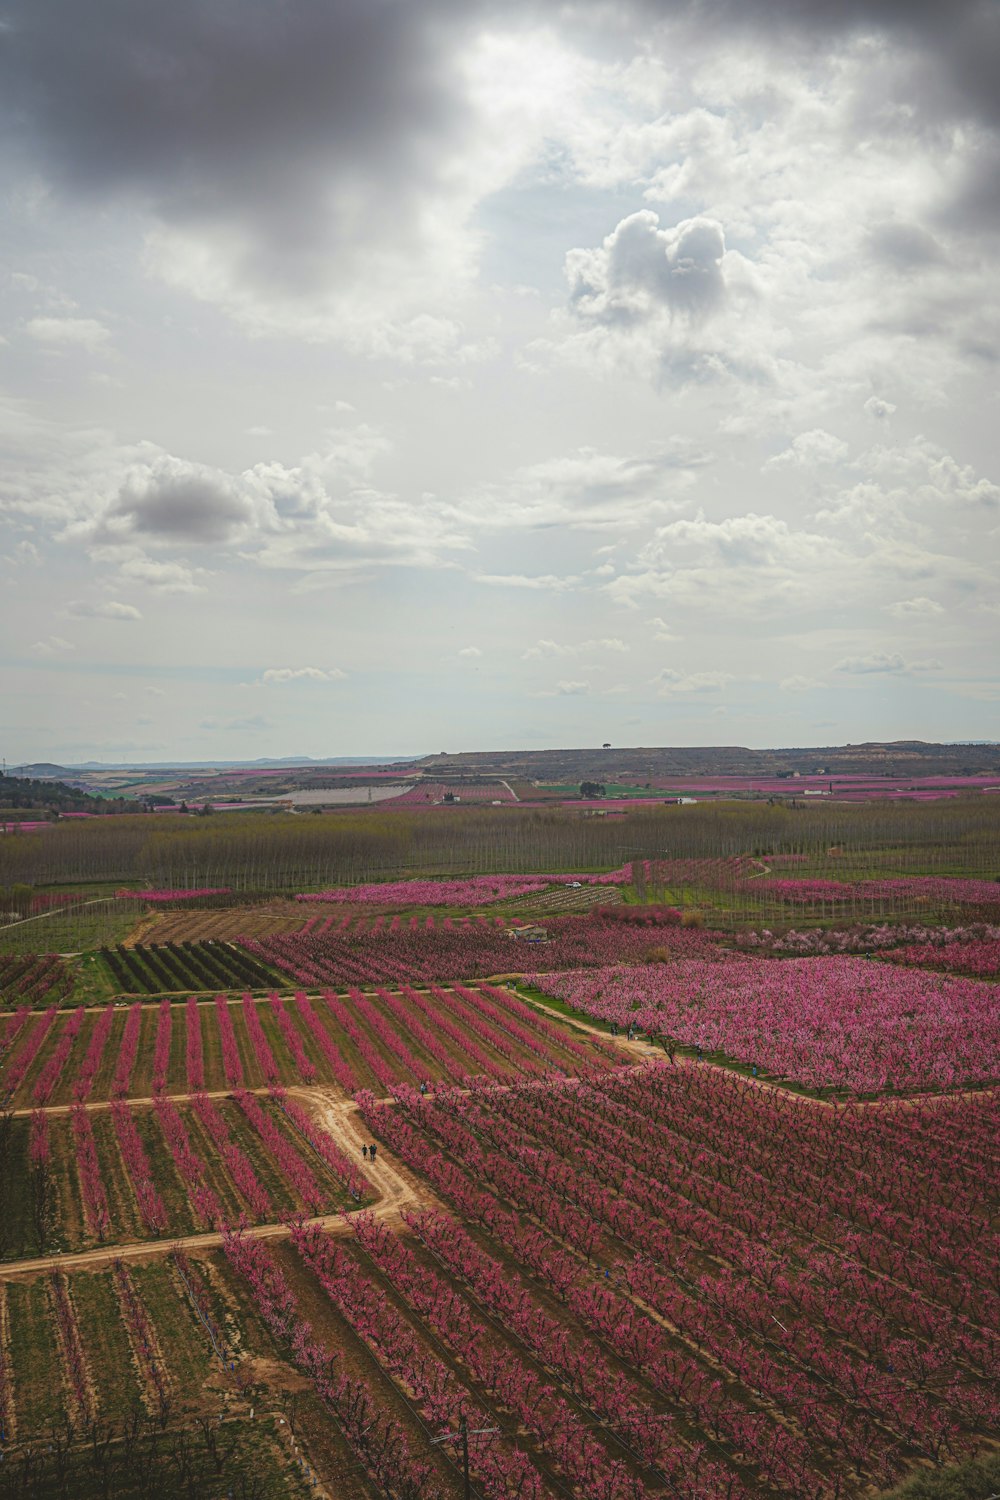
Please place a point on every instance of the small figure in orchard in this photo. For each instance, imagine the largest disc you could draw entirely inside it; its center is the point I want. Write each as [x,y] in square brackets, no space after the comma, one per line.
[364,1152]
[371,1151]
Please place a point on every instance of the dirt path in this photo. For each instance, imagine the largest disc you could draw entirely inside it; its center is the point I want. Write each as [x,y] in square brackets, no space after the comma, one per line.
[397,1188]
[99,1104]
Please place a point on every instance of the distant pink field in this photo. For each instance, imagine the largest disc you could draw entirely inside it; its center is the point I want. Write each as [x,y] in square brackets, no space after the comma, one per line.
[928,888]
[477,890]
[853,788]
[821,1021]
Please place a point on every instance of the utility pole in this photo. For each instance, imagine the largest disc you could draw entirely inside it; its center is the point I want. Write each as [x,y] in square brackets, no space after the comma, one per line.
[462,1435]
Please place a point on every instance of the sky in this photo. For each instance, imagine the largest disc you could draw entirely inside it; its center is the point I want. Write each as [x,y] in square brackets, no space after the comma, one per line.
[394,376]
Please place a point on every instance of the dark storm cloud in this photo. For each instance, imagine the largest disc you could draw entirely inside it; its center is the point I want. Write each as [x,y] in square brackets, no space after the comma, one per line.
[905,246]
[313,128]
[172,501]
[959,40]
[294,122]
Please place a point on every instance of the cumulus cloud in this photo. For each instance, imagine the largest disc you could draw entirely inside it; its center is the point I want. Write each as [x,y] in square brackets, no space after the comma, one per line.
[52,645]
[549,581]
[589,490]
[671,681]
[641,268]
[879,408]
[548,648]
[797,684]
[302,674]
[884,661]
[70,333]
[470,651]
[961,482]
[748,540]
[565,688]
[752,566]
[174,500]
[106,609]
[24,553]
[321,517]
[921,471]
[810,449]
[164,577]
[919,608]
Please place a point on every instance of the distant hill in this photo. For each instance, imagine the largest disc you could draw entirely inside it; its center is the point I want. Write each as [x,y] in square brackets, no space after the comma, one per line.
[43,770]
[893,759]
[226,765]
[30,796]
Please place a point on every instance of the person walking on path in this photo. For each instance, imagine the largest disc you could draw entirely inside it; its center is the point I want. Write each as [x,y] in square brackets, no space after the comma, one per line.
[364,1152]
[371,1151]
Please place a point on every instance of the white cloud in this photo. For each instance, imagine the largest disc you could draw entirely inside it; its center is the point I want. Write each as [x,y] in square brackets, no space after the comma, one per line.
[470,651]
[960,482]
[884,661]
[749,565]
[810,449]
[70,333]
[641,269]
[164,577]
[302,674]
[24,553]
[52,644]
[108,609]
[566,688]
[548,581]
[548,648]
[879,408]
[671,681]
[799,684]
[589,490]
[921,606]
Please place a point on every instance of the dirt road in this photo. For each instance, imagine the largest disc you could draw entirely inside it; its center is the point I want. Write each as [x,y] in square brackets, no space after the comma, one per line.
[396,1186]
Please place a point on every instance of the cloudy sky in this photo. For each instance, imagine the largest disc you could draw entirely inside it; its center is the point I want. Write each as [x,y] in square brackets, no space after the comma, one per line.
[401,375]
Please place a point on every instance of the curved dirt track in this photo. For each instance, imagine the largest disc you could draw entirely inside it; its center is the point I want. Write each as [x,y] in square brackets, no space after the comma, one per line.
[397,1188]
[396,1185]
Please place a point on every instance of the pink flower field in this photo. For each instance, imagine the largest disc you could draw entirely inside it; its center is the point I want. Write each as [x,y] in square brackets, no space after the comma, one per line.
[432,949]
[919,889]
[868,938]
[476,890]
[980,958]
[823,1022]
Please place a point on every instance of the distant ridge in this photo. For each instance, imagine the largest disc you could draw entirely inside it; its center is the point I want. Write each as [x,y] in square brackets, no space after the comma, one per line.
[892,758]
[899,758]
[45,769]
